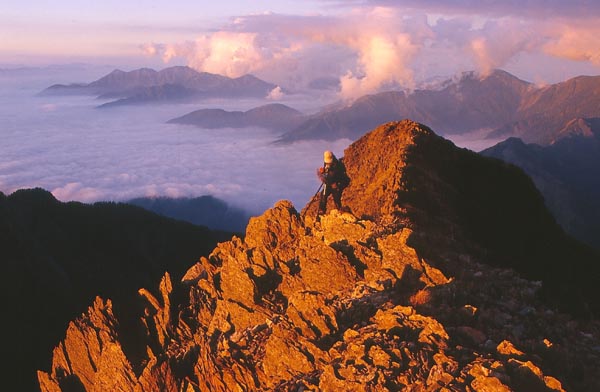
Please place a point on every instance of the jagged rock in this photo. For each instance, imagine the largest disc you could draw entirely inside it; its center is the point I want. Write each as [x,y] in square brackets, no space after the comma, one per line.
[385,298]
[488,384]
[507,348]
[91,356]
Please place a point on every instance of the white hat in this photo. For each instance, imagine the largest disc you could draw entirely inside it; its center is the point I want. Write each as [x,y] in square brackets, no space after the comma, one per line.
[328,156]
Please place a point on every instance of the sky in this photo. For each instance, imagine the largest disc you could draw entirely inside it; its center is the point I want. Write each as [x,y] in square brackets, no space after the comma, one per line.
[363,45]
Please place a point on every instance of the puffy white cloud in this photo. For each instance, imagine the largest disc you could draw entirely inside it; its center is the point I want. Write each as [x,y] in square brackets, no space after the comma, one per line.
[381,60]
[276,94]
[149,49]
[228,53]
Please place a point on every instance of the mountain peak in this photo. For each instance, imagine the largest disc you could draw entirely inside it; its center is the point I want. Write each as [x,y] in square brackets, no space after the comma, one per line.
[116,71]
[375,163]
[178,70]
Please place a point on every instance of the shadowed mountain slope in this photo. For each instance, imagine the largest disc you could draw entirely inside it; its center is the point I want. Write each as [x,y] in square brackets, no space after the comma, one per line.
[567,173]
[56,257]
[410,291]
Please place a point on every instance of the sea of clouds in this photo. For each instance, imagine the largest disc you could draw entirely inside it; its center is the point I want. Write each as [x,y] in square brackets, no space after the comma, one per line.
[66,145]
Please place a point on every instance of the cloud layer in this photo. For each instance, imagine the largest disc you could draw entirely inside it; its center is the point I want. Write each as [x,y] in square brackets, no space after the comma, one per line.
[382,44]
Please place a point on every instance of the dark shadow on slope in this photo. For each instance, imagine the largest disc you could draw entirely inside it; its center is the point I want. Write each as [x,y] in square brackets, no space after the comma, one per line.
[454,196]
[567,173]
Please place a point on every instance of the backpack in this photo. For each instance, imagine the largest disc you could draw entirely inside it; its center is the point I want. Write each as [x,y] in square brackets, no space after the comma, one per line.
[344,180]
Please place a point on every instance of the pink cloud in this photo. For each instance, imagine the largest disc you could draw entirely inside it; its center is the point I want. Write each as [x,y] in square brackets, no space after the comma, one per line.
[575,42]
[381,60]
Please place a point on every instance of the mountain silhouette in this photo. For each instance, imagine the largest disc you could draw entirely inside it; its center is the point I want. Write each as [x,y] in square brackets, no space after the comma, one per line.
[448,274]
[273,116]
[168,85]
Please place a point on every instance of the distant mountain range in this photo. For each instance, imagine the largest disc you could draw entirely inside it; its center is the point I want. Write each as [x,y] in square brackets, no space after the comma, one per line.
[170,84]
[544,112]
[499,102]
[567,173]
[272,116]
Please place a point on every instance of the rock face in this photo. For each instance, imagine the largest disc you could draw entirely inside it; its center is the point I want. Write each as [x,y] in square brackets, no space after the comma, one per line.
[400,294]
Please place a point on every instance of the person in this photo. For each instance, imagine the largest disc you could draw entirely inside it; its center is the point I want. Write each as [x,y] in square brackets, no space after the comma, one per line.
[334,178]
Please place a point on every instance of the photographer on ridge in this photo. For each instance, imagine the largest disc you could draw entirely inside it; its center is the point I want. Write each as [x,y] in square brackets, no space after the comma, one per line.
[334,178]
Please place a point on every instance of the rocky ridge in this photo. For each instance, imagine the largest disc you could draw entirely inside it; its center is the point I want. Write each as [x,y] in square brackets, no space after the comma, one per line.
[374,300]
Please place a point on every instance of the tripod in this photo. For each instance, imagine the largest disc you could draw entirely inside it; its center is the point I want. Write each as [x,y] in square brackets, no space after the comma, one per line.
[313,198]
